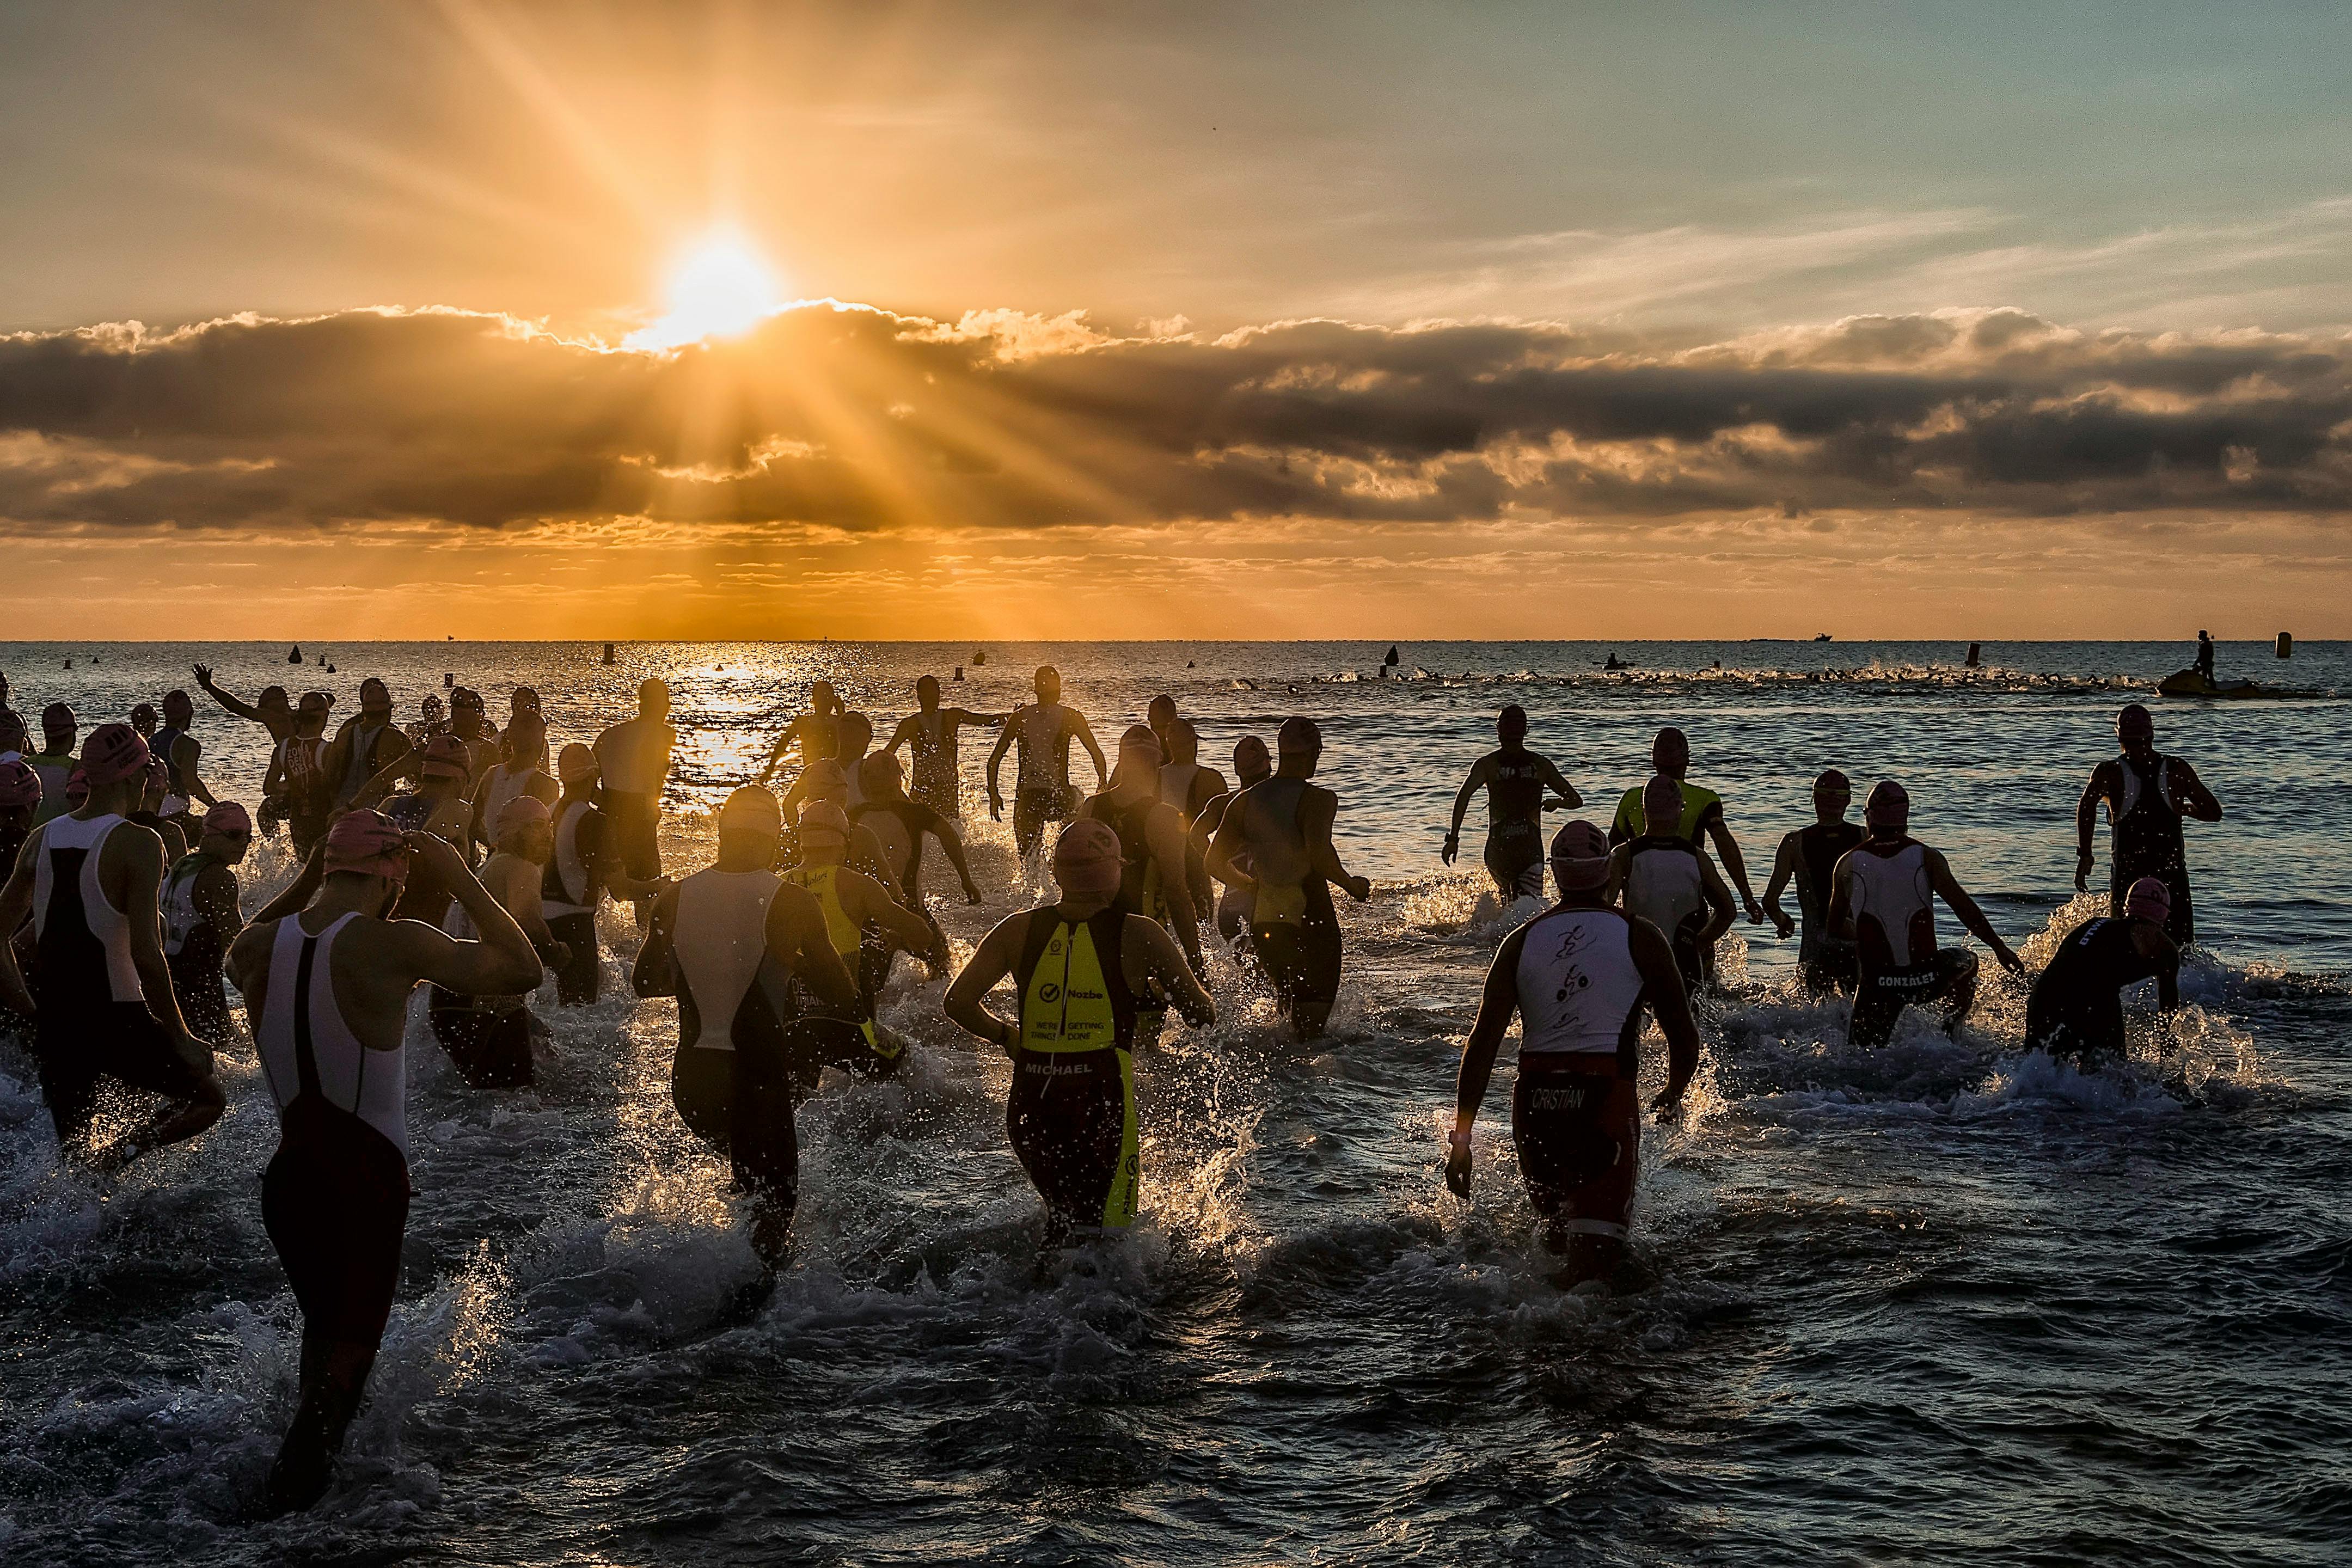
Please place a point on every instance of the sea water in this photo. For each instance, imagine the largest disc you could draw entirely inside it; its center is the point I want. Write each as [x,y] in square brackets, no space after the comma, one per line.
[1942,1299]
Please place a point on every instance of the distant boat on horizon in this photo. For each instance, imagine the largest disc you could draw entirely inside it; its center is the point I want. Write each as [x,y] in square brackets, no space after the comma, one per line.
[1823,636]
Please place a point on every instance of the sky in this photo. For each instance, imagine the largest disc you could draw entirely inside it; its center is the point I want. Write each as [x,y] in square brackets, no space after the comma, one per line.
[1981,322]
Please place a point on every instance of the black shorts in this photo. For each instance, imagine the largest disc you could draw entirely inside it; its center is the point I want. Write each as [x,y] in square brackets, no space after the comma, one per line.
[80,1050]
[1880,999]
[1827,965]
[1071,1119]
[741,1103]
[203,1001]
[335,1202]
[849,1043]
[1034,808]
[492,1049]
[636,822]
[1302,960]
[1577,1125]
[576,982]
[2090,1034]
[1514,859]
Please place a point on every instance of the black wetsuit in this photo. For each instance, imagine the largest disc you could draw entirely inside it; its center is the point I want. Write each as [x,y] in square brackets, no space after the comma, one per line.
[1824,961]
[1299,944]
[2146,842]
[2076,1008]
[195,964]
[1071,1113]
[1514,846]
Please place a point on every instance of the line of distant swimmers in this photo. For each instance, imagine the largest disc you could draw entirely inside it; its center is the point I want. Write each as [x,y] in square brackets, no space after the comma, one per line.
[777,951]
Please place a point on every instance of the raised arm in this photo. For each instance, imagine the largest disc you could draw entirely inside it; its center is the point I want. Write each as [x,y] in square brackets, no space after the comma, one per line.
[967,999]
[1948,887]
[1784,868]
[1662,989]
[243,709]
[1496,1004]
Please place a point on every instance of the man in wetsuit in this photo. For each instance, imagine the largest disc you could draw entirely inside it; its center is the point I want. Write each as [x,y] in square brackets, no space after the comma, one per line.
[1881,898]
[2076,1009]
[899,823]
[2148,796]
[365,744]
[487,1033]
[182,754]
[1079,968]
[1042,791]
[102,998]
[1253,764]
[583,865]
[1515,780]
[931,733]
[1664,879]
[1808,857]
[55,762]
[1702,813]
[1188,786]
[867,926]
[738,946]
[1578,975]
[818,732]
[634,758]
[200,918]
[273,711]
[1283,825]
[1151,844]
[327,987]
[437,806]
[296,788]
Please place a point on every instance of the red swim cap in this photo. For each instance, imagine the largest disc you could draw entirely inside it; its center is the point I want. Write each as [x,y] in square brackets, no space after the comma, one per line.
[114,752]
[366,841]
[1087,856]
[2149,900]
[19,786]
[230,819]
[445,756]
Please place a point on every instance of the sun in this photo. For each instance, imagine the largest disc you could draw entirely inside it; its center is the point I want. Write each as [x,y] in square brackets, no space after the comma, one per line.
[720,288]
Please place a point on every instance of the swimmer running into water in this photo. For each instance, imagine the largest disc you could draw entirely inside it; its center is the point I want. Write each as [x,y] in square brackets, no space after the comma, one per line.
[929,734]
[1252,764]
[2076,1009]
[1702,813]
[1080,968]
[1809,857]
[327,986]
[2148,797]
[1578,975]
[1664,879]
[1042,790]
[866,925]
[1515,780]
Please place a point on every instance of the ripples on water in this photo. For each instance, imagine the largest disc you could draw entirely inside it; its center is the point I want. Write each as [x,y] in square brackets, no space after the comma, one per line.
[1942,1298]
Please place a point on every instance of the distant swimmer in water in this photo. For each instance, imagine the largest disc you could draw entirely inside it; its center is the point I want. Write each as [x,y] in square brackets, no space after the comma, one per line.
[930,733]
[365,744]
[1188,786]
[1042,792]
[1662,877]
[1080,969]
[1152,855]
[487,1033]
[1882,896]
[100,998]
[326,986]
[583,864]
[816,731]
[274,710]
[54,763]
[1578,975]
[1702,813]
[1515,780]
[2148,797]
[1253,764]
[1809,857]
[634,759]
[2076,1009]
[298,788]
[866,925]
[1283,825]
[200,918]
[900,823]
[738,946]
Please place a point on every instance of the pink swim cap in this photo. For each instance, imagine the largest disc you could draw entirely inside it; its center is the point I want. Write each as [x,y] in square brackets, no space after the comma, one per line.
[115,752]
[1579,857]
[576,763]
[230,819]
[825,819]
[2149,900]
[366,841]
[521,812]
[77,788]
[20,786]
[1086,858]
[445,756]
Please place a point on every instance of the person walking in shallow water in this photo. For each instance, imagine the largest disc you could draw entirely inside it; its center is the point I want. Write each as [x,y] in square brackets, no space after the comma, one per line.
[2148,797]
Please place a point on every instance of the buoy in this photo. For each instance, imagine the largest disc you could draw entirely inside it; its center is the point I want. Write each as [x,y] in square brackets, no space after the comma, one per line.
[1391,660]
[448,680]
[608,653]
[1976,654]
[979,657]
[2286,644]
[958,675]
[296,656]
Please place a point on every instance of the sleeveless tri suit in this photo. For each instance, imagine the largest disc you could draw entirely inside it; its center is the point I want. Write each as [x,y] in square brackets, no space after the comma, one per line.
[1071,1113]
[1575,1116]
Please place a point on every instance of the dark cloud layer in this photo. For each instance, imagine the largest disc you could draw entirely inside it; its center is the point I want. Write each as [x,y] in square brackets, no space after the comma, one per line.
[860,419]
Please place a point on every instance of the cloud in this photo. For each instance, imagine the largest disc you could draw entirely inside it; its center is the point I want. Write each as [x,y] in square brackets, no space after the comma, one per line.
[854,420]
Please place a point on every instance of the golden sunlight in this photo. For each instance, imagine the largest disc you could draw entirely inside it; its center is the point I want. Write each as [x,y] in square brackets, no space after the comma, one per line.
[722,287]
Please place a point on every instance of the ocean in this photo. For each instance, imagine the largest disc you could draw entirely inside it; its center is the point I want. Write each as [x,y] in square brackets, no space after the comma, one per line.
[1934,1301]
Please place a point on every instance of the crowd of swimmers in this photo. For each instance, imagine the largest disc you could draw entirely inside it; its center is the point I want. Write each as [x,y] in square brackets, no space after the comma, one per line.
[453,853]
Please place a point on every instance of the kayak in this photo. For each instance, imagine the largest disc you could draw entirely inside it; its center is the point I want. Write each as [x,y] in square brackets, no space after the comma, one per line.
[2196,683]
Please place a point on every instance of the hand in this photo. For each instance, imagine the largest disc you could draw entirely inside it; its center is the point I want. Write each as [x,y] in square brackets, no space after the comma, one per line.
[196,1053]
[2082,871]
[440,856]
[1457,1165]
[1783,923]
[971,895]
[1453,847]
[1359,887]
[1668,1105]
[203,674]
[2009,961]
[995,807]
[1756,913]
